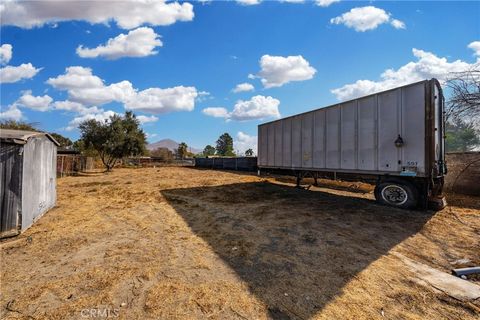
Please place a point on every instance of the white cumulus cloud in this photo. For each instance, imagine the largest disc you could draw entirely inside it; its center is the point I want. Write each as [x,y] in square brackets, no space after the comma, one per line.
[140,42]
[277,70]
[325,3]
[320,3]
[397,24]
[90,90]
[76,78]
[75,107]
[69,106]
[128,14]
[426,66]
[243,142]
[475,46]
[216,112]
[5,53]
[366,18]
[99,116]
[12,113]
[121,92]
[82,112]
[157,100]
[248,2]
[11,74]
[38,103]
[145,119]
[257,108]
[243,87]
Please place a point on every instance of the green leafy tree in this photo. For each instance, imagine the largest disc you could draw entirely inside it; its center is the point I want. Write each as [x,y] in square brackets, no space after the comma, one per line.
[18,125]
[115,138]
[249,153]
[225,145]
[80,146]
[64,141]
[461,136]
[208,151]
[182,151]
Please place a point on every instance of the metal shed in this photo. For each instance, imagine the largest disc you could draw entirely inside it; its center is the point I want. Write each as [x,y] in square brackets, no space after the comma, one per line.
[28,172]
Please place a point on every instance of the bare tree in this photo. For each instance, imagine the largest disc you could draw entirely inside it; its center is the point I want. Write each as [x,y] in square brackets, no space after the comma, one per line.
[463,90]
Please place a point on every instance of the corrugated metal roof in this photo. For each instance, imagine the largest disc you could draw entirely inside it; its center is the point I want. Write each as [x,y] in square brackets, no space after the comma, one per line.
[22,136]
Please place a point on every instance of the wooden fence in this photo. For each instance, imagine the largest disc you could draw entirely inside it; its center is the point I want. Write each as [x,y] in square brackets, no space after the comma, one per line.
[72,164]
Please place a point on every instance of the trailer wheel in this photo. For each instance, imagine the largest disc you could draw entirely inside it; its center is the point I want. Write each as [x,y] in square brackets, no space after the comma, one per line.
[396,193]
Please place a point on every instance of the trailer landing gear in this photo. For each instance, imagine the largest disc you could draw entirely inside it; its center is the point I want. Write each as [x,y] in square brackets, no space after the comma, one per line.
[437,203]
[303,174]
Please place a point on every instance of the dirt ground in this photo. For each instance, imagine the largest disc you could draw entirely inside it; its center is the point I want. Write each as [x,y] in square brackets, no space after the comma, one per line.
[181,243]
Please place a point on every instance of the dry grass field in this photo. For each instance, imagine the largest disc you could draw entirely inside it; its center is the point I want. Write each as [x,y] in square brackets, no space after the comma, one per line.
[181,243]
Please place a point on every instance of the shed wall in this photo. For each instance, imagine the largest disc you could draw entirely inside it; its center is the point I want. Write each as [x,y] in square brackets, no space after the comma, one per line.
[39,174]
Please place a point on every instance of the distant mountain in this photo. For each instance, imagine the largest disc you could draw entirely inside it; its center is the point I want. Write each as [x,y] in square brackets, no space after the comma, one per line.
[171,145]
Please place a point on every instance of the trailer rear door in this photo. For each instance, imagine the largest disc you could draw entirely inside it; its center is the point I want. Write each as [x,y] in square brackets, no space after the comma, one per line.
[439,129]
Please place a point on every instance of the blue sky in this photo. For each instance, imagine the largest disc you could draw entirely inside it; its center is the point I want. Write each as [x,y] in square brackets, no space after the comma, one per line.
[177,64]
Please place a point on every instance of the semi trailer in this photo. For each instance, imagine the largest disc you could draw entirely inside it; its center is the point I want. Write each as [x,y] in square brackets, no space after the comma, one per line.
[394,139]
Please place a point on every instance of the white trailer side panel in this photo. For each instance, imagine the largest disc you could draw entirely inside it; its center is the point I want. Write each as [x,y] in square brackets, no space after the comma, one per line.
[297,142]
[287,143]
[333,138]
[413,119]
[367,142]
[319,139]
[271,144]
[348,135]
[307,140]
[278,143]
[354,136]
[388,130]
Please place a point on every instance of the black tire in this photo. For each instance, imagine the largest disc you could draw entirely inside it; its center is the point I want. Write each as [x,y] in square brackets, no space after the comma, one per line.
[397,193]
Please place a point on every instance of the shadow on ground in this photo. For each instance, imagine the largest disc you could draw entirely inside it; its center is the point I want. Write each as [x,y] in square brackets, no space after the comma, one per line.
[296,249]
